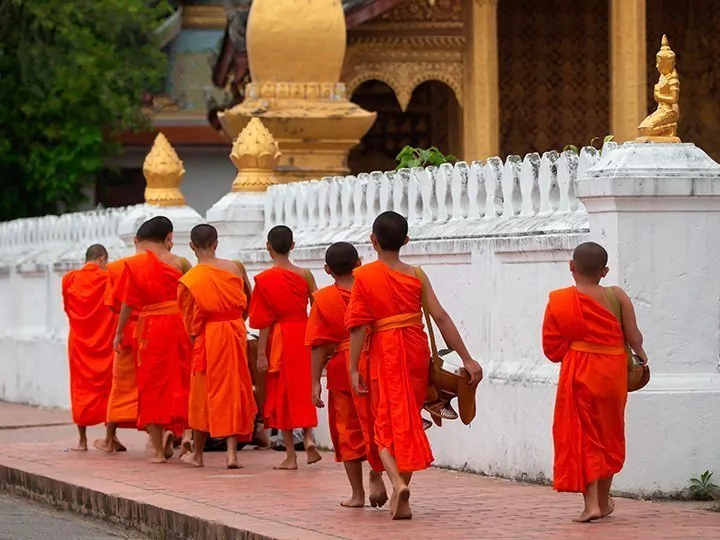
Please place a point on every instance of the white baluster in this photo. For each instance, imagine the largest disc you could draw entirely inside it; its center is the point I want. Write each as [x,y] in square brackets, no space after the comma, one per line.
[529,185]
[290,209]
[549,193]
[371,197]
[567,173]
[510,183]
[443,177]
[401,195]
[414,199]
[589,156]
[348,187]
[476,190]
[458,190]
[359,203]
[334,203]
[425,178]
[322,197]
[492,174]
[385,194]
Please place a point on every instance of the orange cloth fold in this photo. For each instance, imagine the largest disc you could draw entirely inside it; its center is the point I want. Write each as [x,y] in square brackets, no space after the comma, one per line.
[222,403]
[589,421]
[163,345]
[90,343]
[122,403]
[390,302]
[326,326]
[279,302]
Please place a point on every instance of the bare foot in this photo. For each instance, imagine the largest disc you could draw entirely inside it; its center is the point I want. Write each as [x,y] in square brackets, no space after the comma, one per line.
[185,447]
[232,464]
[588,515]
[103,446]
[192,459]
[606,512]
[354,502]
[378,493]
[168,444]
[313,456]
[158,459]
[118,446]
[81,447]
[290,464]
[402,508]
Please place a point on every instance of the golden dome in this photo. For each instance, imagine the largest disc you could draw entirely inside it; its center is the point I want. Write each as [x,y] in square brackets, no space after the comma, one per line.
[296,41]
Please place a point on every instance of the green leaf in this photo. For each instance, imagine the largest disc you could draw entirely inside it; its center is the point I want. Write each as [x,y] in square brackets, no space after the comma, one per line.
[571,148]
[608,138]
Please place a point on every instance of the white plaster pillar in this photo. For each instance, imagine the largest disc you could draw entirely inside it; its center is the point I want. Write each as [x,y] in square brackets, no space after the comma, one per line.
[656,209]
[239,217]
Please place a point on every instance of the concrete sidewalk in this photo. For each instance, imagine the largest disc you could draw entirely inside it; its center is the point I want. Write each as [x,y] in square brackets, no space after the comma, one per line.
[258,502]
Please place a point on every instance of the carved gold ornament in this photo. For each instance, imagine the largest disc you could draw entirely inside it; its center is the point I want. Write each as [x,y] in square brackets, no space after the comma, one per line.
[163,172]
[255,154]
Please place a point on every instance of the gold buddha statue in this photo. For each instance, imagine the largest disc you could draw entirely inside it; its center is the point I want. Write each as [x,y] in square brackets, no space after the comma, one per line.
[661,126]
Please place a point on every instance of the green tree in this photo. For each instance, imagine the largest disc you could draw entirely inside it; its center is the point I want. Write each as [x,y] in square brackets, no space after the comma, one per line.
[72,74]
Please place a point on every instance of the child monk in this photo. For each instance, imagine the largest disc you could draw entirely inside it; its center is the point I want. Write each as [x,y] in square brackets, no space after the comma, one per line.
[149,285]
[387,300]
[330,343]
[581,332]
[122,402]
[279,310]
[90,349]
[213,301]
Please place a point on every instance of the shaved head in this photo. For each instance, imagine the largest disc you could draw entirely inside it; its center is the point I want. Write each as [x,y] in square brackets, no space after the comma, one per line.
[590,259]
[341,258]
[204,236]
[390,229]
[280,239]
[95,253]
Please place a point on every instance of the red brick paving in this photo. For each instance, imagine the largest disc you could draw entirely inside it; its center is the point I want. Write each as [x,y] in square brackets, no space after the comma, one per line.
[304,504]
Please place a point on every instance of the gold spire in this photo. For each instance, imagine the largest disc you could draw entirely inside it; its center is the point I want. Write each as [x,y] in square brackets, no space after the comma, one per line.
[163,172]
[665,50]
[255,153]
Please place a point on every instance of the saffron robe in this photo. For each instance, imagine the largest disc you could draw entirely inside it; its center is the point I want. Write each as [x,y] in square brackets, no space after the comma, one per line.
[122,403]
[90,343]
[589,422]
[279,302]
[212,301]
[163,344]
[397,378]
[326,326]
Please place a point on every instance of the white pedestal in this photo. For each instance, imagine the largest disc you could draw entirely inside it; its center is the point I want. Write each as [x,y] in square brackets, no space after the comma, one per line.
[240,221]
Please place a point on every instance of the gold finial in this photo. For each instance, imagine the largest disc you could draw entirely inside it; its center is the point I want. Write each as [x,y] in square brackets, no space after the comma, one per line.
[163,172]
[255,154]
[661,126]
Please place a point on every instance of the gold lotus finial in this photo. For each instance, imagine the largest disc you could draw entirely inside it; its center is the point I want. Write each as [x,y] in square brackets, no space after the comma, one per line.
[661,125]
[163,172]
[255,154]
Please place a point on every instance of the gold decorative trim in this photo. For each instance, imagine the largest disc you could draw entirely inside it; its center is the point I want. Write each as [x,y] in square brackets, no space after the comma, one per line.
[211,17]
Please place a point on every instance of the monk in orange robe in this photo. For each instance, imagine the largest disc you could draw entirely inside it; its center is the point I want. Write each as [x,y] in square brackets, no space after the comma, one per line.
[330,343]
[213,301]
[90,350]
[122,402]
[149,285]
[387,300]
[278,309]
[581,332]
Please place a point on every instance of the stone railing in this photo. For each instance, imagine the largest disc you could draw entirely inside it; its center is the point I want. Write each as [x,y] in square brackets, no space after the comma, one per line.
[534,195]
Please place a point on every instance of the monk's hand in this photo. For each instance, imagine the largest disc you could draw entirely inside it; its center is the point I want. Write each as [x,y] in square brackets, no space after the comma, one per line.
[262,362]
[117,340]
[317,390]
[474,370]
[357,383]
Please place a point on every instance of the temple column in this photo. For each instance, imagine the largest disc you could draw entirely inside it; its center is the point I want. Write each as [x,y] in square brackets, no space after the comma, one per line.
[628,67]
[481,96]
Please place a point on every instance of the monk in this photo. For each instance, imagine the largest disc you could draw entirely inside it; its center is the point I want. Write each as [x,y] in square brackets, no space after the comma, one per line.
[386,299]
[213,302]
[330,343]
[149,285]
[279,310]
[581,332]
[90,350]
[122,402]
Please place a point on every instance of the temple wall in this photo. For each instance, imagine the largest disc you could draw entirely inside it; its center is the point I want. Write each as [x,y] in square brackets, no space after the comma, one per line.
[494,238]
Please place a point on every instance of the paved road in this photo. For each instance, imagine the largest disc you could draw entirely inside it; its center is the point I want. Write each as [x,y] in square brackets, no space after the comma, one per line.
[25,520]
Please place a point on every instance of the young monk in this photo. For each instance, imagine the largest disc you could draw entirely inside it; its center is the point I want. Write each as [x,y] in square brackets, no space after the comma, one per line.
[279,310]
[122,402]
[89,342]
[581,332]
[213,301]
[149,285]
[330,343]
[387,300]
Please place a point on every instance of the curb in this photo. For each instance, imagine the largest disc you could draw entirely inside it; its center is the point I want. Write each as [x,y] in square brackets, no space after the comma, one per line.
[153,521]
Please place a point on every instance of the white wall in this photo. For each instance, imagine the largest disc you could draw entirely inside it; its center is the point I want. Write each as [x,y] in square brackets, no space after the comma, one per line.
[494,239]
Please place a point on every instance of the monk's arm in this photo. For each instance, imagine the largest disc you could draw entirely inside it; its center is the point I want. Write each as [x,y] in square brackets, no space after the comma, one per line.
[125,312]
[319,361]
[633,336]
[312,288]
[262,363]
[248,290]
[357,341]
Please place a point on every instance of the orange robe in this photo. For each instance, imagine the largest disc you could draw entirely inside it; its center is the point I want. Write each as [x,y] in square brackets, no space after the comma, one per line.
[122,403]
[397,378]
[163,344]
[326,326]
[222,402]
[589,423]
[90,343]
[279,302]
